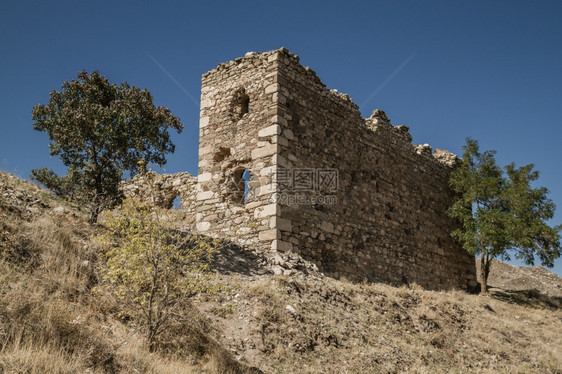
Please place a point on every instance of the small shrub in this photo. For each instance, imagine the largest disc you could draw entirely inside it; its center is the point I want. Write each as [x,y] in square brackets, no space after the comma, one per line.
[152,267]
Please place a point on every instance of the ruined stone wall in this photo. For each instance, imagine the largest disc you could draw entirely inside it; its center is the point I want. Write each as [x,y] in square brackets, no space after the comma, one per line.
[385,218]
[163,189]
[237,110]
[389,221]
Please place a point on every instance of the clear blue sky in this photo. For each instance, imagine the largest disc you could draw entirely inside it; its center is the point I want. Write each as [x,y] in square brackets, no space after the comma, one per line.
[491,70]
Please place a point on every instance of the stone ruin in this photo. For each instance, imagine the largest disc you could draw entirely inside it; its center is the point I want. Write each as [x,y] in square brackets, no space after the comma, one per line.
[287,166]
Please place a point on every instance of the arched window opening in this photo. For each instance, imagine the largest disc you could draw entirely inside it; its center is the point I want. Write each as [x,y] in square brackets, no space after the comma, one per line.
[244,104]
[246,178]
[176,203]
[240,103]
[238,188]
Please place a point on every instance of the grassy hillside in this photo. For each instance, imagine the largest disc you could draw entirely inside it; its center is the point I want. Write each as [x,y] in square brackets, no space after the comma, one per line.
[52,320]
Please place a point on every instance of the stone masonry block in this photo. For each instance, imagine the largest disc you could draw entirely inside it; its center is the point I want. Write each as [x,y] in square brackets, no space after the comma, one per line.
[327,226]
[272,88]
[205,195]
[270,131]
[268,150]
[205,149]
[203,226]
[281,246]
[203,122]
[206,103]
[282,224]
[205,177]
[288,134]
[271,234]
[265,211]
[273,57]
[280,120]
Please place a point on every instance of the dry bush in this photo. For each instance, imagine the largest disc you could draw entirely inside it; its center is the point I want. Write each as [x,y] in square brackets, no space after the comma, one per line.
[196,353]
[51,321]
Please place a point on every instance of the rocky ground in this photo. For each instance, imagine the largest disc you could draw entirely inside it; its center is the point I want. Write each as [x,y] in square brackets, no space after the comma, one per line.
[271,315]
[517,278]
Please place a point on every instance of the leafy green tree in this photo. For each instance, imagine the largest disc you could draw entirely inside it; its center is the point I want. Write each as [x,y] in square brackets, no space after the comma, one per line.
[66,187]
[499,212]
[151,267]
[100,130]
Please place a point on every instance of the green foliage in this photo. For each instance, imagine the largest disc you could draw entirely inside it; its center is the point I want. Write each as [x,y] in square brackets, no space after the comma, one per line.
[100,130]
[66,187]
[500,211]
[153,267]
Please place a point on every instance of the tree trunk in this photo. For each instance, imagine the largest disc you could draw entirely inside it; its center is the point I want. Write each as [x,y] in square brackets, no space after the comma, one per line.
[95,210]
[150,339]
[96,201]
[485,262]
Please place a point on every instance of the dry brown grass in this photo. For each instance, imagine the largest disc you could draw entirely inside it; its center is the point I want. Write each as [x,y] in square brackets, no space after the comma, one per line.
[372,328]
[43,308]
[38,360]
[51,321]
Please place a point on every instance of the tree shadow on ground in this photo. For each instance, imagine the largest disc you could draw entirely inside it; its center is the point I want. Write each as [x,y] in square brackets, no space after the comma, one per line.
[532,298]
[233,258]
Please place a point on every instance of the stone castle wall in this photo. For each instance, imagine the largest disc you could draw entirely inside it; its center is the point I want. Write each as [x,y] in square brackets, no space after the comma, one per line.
[235,108]
[388,221]
[267,119]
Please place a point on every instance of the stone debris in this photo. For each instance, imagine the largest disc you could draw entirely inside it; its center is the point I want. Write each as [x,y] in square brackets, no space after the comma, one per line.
[423,149]
[446,157]
[291,310]
[25,197]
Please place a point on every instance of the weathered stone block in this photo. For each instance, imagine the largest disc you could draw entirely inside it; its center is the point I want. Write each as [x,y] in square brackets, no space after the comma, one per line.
[268,235]
[327,226]
[281,224]
[265,211]
[203,226]
[204,122]
[280,120]
[288,134]
[206,103]
[272,88]
[268,150]
[205,177]
[203,150]
[281,246]
[205,195]
[270,131]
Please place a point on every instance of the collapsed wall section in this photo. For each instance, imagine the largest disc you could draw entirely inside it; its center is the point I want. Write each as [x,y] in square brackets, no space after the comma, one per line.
[170,191]
[385,220]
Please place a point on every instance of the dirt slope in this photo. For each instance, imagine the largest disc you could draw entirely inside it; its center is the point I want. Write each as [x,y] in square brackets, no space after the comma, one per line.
[276,315]
[517,278]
